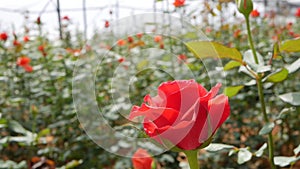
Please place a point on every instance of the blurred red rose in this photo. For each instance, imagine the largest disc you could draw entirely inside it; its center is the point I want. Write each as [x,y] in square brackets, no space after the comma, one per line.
[297,14]
[121,42]
[16,43]
[66,18]
[139,35]
[120,60]
[28,68]
[130,39]
[161,46]
[157,38]
[22,61]
[255,13]
[38,20]
[237,33]
[141,159]
[3,36]
[182,57]
[41,48]
[178,3]
[183,113]
[26,39]
[106,25]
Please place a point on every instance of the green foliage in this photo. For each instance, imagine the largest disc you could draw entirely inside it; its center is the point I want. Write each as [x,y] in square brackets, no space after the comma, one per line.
[205,49]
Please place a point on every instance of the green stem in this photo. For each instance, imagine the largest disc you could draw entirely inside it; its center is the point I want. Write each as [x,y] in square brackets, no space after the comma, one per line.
[192,156]
[263,109]
[250,40]
[261,96]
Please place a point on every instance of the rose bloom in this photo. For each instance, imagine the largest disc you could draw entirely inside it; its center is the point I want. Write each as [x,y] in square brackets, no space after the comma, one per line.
[28,68]
[66,18]
[182,57]
[297,14]
[183,113]
[38,20]
[139,35]
[237,33]
[3,36]
[120,60]
[129,39]
[22,61]
[157,38]
[178,3]
[26,39]
[255,13]
[141,159]
[106,25]
[121,42]
[16,43]
[41,48]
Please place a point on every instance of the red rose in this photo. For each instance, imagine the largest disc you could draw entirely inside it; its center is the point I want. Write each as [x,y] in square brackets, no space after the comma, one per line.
[183,113]
[255,13]
[66,18]
[28,68]
[106,25]
[139,35]
[237,33]
[16,43]
[121,42]
[38,20]
[3,36]
[26,39]
[157,38]
[297,14]
[120,60]
[22,61]
[141,159]
[178,3]
[129,39]
[161,46]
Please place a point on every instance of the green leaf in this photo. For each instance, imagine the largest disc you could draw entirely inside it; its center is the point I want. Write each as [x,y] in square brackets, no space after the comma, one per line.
[17,127]
[232,90]
[73,164]
[260,151]
[283,161]
[206,49]
[3,123]
[290,45]
[297,150]
[249,59]
[11,164]
[294,66]
[233,151]
[267,128]
[278,76]
[284,112]
[43,132]
[292,98]
[244,155]
[232,64]
[217,147]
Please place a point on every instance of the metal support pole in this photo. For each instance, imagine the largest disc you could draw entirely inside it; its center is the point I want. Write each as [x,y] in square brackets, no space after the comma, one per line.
[59,20]
[84,19]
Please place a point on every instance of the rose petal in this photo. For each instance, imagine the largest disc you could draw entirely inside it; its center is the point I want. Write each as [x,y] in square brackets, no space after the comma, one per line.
[156,101]
[219,111]
[159,115]
[174,134]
